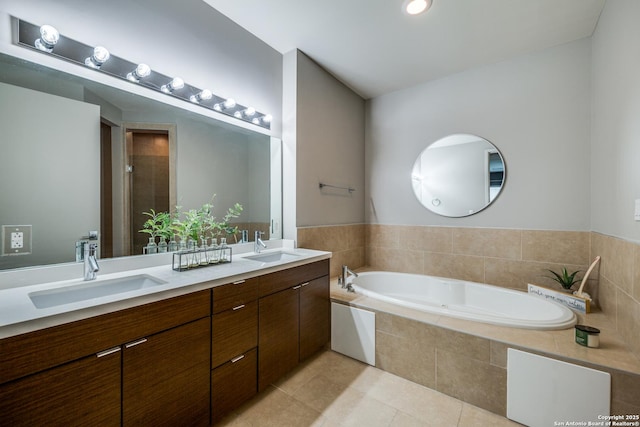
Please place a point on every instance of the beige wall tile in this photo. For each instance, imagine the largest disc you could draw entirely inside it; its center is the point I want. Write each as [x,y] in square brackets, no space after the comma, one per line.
[326,238]
[356,235]
[387,236]
[463,267]
[354,258]
[607,298]
[629,321]
[414,330]
[432,239]
[408,358]
[472,381]
[561,247]
[499,354]
[489,242]
[390,259]
[625,387]
[618,267]
[469,345]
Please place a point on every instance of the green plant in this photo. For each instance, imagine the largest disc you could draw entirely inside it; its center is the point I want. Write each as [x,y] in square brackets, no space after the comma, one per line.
[565,279]
[154,225]
[224,226]
[198,223]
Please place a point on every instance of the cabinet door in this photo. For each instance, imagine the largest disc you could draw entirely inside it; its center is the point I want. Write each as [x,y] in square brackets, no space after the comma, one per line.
[232,384]
[278,336]
[165,377]
[81,393]
[315,315]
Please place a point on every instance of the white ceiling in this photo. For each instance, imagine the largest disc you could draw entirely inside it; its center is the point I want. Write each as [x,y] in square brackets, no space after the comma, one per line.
[374,48]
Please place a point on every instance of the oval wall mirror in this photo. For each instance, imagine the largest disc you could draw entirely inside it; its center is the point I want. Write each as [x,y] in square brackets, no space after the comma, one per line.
[458,175]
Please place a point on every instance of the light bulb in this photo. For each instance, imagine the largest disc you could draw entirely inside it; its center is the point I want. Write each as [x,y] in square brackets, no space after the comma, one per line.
[415,7]
[249,111]
[175,84]
[267,118]
[49,36]
[203,95]
[255,121]
[99,57]
[237,115]
[141,71]
[227,104]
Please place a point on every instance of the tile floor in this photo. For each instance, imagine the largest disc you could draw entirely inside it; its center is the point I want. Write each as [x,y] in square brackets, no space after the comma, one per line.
[334,390]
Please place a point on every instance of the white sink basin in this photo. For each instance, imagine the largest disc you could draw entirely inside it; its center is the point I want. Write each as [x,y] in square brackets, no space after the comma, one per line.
[92,289]
[273,257]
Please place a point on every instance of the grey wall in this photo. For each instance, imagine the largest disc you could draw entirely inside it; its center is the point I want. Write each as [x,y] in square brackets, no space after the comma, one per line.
[186,38]
[52,186]
[534,108]
[330,148]
[615,179]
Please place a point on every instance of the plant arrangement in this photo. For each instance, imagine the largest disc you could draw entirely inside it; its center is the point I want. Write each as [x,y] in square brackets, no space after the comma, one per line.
[192,225]
[565,279]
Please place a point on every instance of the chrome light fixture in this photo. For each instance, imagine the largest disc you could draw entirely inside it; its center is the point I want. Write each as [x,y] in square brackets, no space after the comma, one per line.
[99,57]
[141,71]
[44,38]
[203,95]
[175,84]
[49,36]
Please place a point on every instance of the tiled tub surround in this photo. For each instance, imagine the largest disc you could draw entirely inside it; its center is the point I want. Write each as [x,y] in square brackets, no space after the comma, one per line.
[346,242]
[467,360]
[510,258]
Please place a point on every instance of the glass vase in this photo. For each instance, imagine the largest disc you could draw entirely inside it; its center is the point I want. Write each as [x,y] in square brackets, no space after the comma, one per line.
[152,247]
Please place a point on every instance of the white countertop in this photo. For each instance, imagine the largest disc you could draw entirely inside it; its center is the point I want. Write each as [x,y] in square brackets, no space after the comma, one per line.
[18,314]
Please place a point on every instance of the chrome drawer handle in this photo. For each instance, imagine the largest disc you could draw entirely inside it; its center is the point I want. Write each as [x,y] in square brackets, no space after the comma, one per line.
[238,307]
[305,284]
[237,359]
[108,352]
[297,287]
[239,282]
[135,343]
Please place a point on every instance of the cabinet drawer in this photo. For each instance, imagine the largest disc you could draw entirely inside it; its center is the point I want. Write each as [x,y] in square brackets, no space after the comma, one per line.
[233,332]
[232,384]
[35,351]
[234,294]
[274,282]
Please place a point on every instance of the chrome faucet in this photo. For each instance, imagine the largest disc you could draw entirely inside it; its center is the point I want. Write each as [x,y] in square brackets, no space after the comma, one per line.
[258,243]
[344,276]
[91,267]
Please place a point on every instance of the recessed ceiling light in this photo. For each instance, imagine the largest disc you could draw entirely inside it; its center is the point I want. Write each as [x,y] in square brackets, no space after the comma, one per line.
[416,7]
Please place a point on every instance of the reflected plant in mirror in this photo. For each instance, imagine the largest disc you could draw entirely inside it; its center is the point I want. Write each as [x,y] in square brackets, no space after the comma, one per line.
[458,175]
[189,227]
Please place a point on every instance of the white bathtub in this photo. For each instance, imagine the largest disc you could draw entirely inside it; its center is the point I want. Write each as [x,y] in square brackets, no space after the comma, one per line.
[464,300]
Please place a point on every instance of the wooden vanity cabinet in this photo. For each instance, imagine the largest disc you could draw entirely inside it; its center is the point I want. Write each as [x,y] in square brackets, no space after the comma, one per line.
[85,392]
[234,340]
[149,362]
[294,318]
[165,377]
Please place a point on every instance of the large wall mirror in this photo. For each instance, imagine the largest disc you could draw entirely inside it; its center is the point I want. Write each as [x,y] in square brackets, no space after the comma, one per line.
[458,175]
[72,147]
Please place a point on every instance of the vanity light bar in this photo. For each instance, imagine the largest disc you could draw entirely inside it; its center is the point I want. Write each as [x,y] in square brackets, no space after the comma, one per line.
[50,42]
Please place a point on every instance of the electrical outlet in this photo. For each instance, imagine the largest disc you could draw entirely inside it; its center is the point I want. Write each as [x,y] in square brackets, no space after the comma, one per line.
[16,240]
